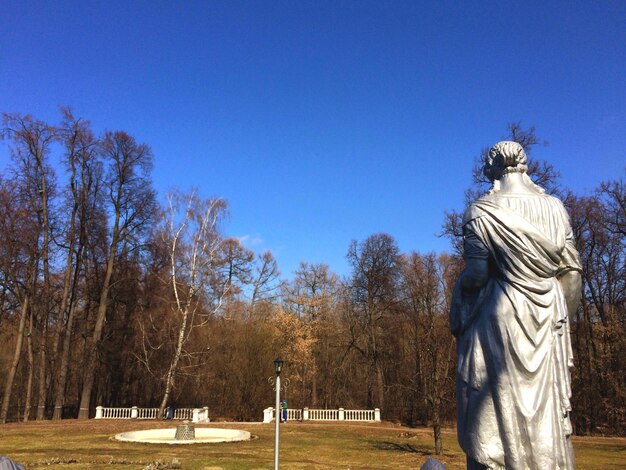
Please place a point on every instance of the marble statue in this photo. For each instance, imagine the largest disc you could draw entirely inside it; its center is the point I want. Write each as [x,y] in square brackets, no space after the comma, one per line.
[510,317]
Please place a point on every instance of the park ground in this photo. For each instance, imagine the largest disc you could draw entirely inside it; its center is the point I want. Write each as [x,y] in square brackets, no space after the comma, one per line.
[90,444]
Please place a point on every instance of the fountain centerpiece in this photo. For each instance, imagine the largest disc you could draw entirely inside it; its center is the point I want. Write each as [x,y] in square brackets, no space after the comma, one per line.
[185,431]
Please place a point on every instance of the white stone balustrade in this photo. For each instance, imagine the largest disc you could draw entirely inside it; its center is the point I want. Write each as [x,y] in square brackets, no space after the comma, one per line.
[184,413]
[194,414]
[294,414]
[147,413]
[311,414]
[323,415]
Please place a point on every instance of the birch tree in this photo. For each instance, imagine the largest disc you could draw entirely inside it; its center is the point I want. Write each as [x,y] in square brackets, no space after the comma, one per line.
[198,281]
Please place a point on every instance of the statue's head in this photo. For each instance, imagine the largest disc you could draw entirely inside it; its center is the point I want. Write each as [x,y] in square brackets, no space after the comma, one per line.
[505,157]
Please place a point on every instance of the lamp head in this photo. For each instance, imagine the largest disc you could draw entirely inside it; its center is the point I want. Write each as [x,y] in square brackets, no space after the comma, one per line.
[278,364]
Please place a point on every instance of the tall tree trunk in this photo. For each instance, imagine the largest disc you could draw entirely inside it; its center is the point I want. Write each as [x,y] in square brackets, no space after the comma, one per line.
[370,386]
[91,348]
[67,343]
[31,369]
[45,255]
[380,385]
[377,367]
[43,377]
[592,354]
[436,401]
[418,376]
[63,323]
[314,384]
[8,386]
[437,427]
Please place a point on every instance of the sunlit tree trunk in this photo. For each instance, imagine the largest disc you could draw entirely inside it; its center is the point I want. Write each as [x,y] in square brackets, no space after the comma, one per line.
[63,368]
[44,378]
[8,385]
[91,348]
[31,369]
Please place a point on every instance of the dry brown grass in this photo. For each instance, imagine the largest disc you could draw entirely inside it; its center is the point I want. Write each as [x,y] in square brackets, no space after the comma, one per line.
[90,445]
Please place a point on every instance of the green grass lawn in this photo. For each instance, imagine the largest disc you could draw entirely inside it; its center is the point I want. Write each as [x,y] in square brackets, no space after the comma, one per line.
[90,445]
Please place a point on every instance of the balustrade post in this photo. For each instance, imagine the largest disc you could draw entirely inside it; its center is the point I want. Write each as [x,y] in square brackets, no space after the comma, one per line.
[305,414]
[98,412]
[376,414]
[134,412]
[342,414]
[195,415]
[268,414]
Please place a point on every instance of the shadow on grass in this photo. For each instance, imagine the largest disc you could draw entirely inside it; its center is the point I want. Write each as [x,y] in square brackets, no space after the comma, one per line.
[394,446]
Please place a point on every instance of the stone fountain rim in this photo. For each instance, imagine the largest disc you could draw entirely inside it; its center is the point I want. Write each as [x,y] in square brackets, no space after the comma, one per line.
[203,435]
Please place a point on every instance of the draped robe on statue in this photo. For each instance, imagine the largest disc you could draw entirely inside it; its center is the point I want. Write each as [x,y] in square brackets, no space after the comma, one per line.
[514,351]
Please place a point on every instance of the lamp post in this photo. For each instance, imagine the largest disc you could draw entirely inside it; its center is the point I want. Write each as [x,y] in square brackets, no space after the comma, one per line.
[278,364]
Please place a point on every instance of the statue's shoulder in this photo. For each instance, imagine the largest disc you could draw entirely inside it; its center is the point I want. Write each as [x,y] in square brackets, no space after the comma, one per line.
[474,211]
[556,203]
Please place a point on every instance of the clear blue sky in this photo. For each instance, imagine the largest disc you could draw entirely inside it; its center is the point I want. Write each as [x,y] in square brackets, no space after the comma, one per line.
[326,121]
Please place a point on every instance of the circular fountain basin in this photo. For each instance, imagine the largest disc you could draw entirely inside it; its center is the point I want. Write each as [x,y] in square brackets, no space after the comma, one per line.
[166,436]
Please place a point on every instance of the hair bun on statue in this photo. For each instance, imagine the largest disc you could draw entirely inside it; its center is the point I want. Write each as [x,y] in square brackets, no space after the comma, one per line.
[505,157]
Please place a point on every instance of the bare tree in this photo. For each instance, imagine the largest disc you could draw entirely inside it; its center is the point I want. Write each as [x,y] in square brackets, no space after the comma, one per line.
[426,286]
[197,281]
[19,259]
[613,193]
[31,141]
[373,297]
[265,283]
[84,167]
[132,205]
[238,265]
[311,296]
[598,327]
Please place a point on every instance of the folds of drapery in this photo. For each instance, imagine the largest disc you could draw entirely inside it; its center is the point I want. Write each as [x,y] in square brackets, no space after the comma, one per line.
[513,383]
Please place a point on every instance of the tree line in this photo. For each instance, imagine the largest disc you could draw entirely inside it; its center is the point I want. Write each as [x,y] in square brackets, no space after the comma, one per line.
[111,297]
